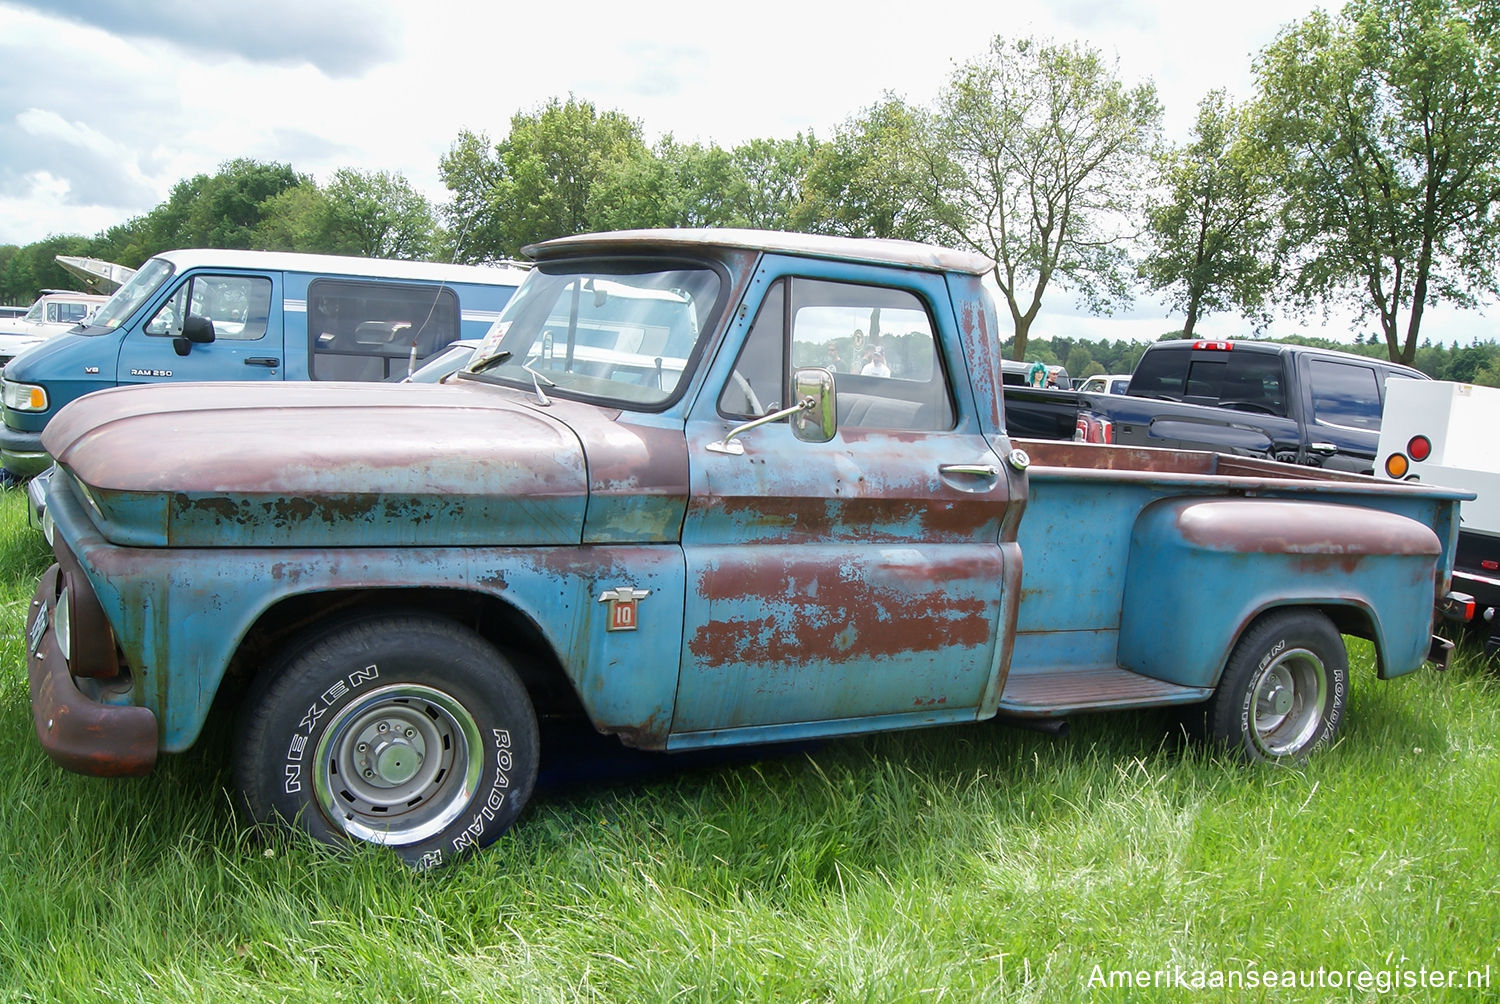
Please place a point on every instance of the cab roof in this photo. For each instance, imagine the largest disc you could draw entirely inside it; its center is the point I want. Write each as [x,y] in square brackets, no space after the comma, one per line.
[907,254]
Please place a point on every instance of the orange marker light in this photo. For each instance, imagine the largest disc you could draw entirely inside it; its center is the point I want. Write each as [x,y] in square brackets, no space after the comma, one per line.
[1396,466]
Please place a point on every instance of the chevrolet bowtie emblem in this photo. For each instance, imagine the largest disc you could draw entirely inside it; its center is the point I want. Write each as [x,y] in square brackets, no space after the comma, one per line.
[622,602]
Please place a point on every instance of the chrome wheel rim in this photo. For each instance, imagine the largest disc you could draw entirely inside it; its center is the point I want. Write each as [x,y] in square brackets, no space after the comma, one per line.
[1287,702]
[398,765]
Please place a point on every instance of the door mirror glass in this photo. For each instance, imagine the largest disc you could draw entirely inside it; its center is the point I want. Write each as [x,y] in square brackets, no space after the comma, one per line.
[817,423]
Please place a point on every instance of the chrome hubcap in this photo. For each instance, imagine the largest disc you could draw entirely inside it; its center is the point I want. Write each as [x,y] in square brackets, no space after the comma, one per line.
[1288,702]
[399,765]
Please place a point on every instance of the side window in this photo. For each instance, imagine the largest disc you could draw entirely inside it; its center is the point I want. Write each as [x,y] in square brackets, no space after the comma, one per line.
[1345,394]
[754,387]
[238,305]
[1253,383]
[366,330]
[880,343]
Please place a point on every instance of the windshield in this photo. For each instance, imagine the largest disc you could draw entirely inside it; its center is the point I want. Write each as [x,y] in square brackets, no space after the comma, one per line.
[623,336]
[118,308]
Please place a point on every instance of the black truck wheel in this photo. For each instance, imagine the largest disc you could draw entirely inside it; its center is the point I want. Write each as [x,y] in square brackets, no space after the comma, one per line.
[1283,690]
[404,730]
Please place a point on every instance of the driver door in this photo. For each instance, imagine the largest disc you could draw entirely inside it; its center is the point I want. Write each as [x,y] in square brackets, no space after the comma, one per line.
[857,583]
[245,310]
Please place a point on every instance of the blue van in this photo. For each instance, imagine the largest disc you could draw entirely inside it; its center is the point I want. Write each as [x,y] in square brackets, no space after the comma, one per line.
[249,315]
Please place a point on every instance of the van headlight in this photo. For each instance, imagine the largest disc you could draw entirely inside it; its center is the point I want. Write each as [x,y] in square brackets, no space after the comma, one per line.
[24,396]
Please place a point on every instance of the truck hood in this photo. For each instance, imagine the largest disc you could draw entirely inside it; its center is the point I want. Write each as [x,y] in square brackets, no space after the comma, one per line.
[321,464]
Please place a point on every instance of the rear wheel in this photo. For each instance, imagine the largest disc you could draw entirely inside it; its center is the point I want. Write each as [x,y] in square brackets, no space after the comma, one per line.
[403,730]
[1283,689]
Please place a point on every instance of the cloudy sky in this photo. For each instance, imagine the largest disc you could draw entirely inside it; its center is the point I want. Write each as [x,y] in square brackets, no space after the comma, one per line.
[104,106]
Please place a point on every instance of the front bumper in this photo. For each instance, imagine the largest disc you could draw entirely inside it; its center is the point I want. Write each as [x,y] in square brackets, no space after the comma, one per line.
[76,731]
[21,453]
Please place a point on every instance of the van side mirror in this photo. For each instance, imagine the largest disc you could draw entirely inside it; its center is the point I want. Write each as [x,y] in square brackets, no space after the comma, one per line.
[196,329]
[817,421]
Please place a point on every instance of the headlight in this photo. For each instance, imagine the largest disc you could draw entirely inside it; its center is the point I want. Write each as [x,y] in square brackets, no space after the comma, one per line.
[62,623]
[49,526]
[25,396]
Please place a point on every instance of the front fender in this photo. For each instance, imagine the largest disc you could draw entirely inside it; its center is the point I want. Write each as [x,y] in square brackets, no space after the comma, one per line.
[1200,570]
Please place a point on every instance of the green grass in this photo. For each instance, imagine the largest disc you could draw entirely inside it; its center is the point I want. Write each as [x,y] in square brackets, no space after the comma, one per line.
[958,864]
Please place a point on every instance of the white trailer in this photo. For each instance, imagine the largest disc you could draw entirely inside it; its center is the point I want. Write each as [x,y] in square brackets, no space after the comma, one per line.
[1448,434]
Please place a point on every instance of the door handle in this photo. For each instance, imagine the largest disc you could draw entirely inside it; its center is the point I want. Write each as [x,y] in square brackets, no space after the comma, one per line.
[271,362]
[974,470]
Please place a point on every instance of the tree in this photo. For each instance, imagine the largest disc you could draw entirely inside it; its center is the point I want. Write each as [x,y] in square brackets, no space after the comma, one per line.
[1384,126]
[773,172]
[538,182]
[1209,233]
[377,215]
[1048,157]
[879,177]
[675,185]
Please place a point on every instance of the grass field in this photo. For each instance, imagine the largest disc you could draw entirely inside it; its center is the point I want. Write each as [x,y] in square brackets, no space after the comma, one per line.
[958,864]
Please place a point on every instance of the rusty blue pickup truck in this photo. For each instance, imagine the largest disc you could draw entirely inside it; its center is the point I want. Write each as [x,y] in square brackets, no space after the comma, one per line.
[700,488]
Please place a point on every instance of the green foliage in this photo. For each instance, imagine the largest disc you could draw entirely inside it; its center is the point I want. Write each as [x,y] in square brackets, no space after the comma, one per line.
[879,177]
[1048,156]
[542,180]
[1209,229]
[28,270]
[1382,127]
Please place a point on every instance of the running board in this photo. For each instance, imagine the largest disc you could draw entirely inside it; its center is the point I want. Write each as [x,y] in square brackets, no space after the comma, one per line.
[1048,693]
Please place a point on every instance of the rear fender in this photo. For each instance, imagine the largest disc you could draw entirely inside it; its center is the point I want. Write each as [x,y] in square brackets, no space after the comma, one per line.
[1200,570]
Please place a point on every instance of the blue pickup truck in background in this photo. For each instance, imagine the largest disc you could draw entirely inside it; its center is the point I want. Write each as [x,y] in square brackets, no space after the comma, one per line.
[248,315]
[673,493]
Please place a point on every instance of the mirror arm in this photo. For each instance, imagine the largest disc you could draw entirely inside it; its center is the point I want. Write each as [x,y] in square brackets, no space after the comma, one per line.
[729,446]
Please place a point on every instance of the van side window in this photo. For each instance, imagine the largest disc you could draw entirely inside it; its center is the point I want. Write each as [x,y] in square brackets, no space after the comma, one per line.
[238,306]
[366,330]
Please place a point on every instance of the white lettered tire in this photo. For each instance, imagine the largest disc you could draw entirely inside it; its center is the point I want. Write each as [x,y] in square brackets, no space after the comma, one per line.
[1284,687]
[406,730]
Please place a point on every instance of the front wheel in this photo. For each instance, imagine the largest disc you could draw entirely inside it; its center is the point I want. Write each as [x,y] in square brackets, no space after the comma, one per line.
[405,730]
[1283,690]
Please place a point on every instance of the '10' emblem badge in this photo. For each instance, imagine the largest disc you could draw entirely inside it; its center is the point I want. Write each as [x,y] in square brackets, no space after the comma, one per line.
[623,606]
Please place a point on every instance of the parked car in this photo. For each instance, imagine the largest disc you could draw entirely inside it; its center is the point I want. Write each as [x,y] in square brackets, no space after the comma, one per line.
[55,311]
[1292,403]
[637,504]
[249,315]
[1105,383]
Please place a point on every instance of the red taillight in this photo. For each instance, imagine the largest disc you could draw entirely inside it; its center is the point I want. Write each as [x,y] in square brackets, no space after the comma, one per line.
[1088,429]
[1490,566]
[1216,346]
[1420,448]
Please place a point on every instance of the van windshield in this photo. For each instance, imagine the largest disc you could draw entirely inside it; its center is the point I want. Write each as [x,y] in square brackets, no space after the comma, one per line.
[118,308]
[618,336]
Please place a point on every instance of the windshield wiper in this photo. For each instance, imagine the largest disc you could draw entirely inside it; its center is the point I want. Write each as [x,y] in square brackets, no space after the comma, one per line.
[486,362]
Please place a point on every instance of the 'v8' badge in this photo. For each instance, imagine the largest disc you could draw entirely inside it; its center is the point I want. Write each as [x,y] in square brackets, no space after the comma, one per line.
[623,606]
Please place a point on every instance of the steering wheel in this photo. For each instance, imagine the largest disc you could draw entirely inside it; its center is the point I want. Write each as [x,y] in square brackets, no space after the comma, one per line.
[738,379]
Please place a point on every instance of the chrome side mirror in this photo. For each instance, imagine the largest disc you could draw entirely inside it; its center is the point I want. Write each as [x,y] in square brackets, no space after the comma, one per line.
[818,419]
[814,416]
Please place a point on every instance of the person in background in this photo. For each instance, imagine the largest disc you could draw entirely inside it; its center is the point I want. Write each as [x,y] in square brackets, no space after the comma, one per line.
[876,366]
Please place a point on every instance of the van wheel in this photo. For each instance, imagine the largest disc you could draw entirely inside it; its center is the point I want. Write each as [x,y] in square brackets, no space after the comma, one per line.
[1283,689]
[403,730]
